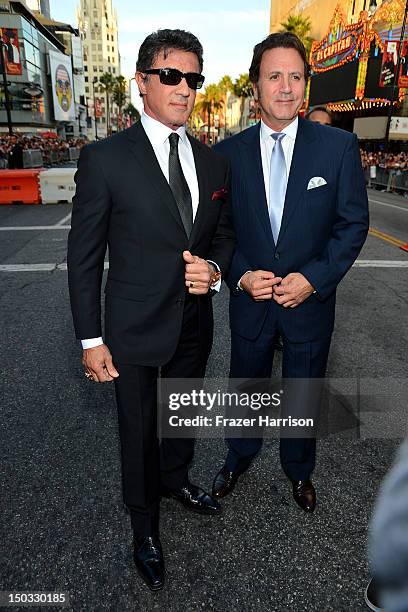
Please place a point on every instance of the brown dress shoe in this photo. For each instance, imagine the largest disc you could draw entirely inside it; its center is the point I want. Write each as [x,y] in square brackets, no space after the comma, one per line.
[304,494]
[224,482]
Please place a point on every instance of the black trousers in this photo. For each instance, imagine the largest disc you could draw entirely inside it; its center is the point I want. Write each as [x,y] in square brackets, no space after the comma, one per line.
[146,465]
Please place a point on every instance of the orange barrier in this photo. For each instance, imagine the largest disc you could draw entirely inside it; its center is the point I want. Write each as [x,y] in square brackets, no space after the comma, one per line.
[20,186]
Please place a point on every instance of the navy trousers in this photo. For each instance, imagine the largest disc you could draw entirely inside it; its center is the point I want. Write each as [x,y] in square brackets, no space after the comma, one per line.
[254,359]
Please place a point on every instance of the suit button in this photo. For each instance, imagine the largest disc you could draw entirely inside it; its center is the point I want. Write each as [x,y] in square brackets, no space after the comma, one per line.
[277,255]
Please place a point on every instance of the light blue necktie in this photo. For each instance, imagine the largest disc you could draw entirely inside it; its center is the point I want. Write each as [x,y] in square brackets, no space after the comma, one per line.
[277,185]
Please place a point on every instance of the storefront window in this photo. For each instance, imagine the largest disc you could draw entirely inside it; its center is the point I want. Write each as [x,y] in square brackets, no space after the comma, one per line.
[32,54]
[27,29]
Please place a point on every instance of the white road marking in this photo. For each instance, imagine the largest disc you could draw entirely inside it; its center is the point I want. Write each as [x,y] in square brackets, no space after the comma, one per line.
[33,228]
[49,267]
[405,209]
[40,267]
[380,263]
[63,220]
[27,267]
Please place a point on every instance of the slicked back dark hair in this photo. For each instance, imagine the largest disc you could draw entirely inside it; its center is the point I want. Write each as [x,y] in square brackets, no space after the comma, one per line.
[287,40]
[164,41]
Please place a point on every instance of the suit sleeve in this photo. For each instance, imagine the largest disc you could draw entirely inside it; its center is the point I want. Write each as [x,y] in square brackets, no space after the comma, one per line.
[87,243]
[349,229]
[223,242]
[239,266]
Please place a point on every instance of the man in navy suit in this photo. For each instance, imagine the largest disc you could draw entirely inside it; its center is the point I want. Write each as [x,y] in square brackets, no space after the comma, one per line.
[301,217]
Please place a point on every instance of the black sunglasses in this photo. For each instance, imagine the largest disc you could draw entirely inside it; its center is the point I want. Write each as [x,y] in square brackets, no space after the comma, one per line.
[172,76]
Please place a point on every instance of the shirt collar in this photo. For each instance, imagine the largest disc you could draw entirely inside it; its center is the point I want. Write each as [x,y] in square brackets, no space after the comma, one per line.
[158,133]
[290,130]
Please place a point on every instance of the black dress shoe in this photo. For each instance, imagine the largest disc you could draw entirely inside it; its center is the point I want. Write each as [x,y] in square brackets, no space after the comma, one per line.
[194,498]
[148,556]
[224,482]
[371,596]
[304,494]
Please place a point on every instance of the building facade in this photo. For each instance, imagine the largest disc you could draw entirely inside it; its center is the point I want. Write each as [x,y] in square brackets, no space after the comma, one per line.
[353,71]
[98,25]
[281,9]
[72,42]
[27,47]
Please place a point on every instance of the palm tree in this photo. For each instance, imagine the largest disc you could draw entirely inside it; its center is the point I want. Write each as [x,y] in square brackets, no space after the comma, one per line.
[119,94]
[106,85]
[132,112]
[225,86]
[300,26]
[243,90]
[210,102]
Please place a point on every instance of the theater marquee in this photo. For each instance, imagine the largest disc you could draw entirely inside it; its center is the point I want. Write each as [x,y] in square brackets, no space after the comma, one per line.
[340,45]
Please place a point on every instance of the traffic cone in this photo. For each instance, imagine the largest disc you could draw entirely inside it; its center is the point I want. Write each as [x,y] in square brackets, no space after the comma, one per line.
[404,247]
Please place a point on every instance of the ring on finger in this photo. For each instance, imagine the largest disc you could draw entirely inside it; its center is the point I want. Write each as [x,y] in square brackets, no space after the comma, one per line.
[191,284]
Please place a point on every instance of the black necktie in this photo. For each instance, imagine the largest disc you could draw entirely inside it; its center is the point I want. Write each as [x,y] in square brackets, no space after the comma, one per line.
[178,185]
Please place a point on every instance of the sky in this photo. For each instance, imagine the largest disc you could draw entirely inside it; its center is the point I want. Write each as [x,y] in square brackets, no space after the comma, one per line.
[227,29]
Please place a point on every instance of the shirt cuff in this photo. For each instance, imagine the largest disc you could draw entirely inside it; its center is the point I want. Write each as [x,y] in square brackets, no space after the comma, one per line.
[217,285]
[239,286]
[91,342]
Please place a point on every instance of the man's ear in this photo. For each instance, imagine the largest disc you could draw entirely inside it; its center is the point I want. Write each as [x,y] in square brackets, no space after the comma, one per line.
[256,92]
[141,80]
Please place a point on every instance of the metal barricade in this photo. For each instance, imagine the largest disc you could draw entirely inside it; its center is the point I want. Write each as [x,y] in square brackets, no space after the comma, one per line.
[32,158]
[39,158]
[73,153]
[389,180]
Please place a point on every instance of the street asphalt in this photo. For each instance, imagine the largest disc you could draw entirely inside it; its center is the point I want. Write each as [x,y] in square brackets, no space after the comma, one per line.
[63,527]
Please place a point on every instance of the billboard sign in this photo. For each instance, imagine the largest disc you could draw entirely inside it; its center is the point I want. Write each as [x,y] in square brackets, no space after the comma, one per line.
[389,63]
[11,50]
[62,86]
[403,73]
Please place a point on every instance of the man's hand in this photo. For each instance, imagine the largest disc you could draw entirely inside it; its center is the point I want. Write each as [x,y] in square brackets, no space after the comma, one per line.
[198,274]
[293,290]
[98,363]
[259,284]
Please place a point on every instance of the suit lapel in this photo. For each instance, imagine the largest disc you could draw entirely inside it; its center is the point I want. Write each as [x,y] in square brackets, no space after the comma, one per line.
[300,170]
[141,148]
[202,178]
[251,154]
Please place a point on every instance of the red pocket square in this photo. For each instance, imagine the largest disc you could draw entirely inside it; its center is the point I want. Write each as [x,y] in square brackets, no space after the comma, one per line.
[221,194]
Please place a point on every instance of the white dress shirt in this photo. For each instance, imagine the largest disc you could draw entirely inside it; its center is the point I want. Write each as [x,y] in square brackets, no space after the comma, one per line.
[158,135]
[267,143]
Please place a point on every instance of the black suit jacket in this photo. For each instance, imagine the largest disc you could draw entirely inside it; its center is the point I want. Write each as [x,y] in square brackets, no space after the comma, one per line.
[123,201]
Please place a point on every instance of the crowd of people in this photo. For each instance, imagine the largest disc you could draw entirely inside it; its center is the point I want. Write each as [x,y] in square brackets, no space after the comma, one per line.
[386,171]
[53,150]
[389,161]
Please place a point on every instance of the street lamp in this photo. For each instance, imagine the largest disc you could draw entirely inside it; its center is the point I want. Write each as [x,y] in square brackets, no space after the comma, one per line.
[5,85]
[95,80]
[394,86]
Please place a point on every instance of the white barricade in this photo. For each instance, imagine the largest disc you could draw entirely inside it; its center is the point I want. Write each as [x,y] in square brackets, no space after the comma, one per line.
[57,185]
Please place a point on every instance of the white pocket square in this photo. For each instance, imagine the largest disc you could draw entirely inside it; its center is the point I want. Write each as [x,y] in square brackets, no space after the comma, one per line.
[316,181]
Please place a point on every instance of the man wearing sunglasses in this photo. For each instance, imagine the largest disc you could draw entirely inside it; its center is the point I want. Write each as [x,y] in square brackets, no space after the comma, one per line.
[158,199]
